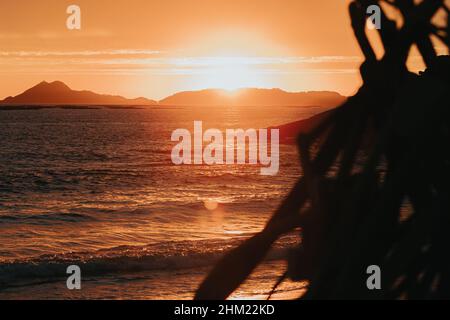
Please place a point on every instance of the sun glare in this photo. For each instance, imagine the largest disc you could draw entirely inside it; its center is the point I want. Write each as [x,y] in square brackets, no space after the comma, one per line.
[229,73]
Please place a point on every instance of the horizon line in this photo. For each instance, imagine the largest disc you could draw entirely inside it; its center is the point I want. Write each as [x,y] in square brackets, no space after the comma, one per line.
[177,92]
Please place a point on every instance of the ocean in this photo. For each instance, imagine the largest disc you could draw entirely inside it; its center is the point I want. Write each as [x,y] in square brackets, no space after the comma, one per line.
[96,187]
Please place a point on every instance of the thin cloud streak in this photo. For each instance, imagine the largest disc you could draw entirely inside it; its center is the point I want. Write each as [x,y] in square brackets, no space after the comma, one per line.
[77,53]
[150,62]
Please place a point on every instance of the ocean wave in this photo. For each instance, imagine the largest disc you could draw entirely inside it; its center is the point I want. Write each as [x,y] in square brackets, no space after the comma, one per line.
[50,218]
[173,255]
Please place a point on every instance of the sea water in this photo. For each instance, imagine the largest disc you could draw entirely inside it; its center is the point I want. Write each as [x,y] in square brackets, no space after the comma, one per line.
[96,187]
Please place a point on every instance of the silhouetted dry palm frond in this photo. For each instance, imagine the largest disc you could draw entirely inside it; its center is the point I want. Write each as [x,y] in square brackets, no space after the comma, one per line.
[390,145]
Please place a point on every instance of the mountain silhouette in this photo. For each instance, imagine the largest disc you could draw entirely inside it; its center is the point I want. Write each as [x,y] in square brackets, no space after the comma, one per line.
[253,97]
[57,93]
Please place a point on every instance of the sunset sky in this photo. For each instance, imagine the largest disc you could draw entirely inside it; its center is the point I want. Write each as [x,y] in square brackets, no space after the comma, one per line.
[155,48]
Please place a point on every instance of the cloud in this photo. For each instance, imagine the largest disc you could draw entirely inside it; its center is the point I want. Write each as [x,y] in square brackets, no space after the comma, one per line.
[155,62]
[52,35]
[77,53]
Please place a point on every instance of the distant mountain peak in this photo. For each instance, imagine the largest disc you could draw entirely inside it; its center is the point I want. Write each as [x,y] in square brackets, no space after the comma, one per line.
[55,85]
[254,97]
[57,93]
[58,83]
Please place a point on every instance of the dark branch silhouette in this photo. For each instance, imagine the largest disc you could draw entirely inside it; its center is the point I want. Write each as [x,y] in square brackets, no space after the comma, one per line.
[390,145]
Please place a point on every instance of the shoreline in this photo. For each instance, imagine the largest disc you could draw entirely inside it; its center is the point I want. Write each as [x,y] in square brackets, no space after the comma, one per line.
[158,285]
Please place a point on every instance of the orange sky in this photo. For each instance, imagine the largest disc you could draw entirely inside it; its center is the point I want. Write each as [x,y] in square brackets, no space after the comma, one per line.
[154,48]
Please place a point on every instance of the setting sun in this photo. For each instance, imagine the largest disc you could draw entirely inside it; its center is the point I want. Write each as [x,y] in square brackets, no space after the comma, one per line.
[228,73]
